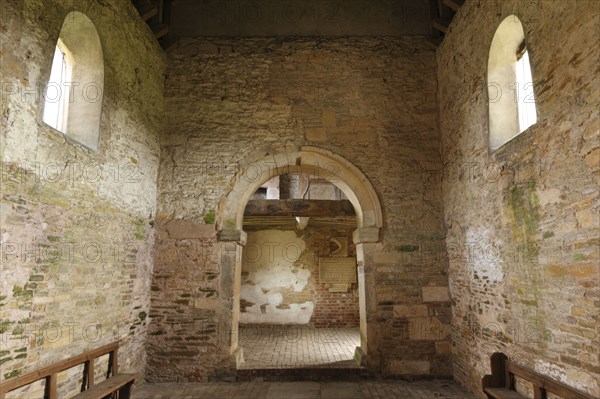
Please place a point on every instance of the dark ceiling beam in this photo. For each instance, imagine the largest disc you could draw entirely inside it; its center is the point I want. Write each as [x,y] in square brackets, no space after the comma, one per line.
[157,14]
[442,13]
[299,207]
[434,42]
[159,30]
[453,4]
[147,11]
[440,25]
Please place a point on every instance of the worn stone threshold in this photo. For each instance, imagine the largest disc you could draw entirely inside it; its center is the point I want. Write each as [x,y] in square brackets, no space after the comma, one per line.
[305,374]
[329,374]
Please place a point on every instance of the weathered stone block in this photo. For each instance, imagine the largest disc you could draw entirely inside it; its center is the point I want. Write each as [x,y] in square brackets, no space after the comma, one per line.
[365,235]
[411,311]
[592,159]
[435,294]
[328,118]
[185,229]
[409,367]
[316,134]
[443,348]
[575,271]
[428,328]
[238,236]
[388,258]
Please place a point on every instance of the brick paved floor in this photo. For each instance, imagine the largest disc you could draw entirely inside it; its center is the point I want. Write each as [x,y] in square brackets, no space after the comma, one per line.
[276,346]
[372,389]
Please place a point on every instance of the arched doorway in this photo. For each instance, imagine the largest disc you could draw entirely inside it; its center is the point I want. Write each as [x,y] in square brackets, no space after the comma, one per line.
[358,190]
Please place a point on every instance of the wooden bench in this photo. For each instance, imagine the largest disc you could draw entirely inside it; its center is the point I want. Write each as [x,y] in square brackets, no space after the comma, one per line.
[501,383]
[116,386]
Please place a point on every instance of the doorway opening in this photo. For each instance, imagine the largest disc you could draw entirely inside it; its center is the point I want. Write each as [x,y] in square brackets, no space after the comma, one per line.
[283,260]
[299,299]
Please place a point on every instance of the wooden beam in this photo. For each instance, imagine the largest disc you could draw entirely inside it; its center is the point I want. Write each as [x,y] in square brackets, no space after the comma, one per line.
[146,8]
[440,25]
[453,4]
[434,42]
[298,207]
[159,30]
[147,12]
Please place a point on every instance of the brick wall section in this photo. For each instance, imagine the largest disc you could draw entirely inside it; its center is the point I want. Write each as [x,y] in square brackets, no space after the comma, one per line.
[333,309]
[523,222]
[183,326]
[372,101]
[76,232]
[330,309]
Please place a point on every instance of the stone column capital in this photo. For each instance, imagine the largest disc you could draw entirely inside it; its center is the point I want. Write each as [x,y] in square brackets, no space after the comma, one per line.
[364,235]
[239,236]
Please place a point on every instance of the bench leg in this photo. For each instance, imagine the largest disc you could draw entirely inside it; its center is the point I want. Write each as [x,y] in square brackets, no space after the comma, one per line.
[125,391]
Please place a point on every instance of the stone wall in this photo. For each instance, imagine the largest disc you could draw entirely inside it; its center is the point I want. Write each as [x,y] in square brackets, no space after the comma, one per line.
[231,102]
[281,281]
[76,225]
[523,223]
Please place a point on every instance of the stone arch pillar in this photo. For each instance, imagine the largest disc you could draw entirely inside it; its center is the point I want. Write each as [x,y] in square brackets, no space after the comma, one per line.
[356,187]
[366,239]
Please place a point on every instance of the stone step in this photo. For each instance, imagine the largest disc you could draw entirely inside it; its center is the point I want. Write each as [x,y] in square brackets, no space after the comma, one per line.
[305,374]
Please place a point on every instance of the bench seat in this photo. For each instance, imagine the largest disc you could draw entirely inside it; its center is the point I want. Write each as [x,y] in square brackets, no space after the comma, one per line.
[115,382]
[108,386]
[502,383]
[503,393]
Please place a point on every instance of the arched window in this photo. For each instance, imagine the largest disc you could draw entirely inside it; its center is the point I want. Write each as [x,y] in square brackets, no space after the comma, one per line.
[73,96]
[510,83]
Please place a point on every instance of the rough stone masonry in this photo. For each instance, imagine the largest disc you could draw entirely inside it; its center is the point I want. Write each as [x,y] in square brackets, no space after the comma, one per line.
[76,228]
[522,222]
[479,251]
[230,102]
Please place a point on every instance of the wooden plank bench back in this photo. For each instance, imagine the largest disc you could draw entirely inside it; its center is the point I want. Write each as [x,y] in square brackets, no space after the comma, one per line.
[115,382]
[501,383]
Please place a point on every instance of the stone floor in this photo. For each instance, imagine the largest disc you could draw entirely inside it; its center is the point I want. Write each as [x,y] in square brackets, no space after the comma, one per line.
[276,346]
[281,347]
[375,389]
